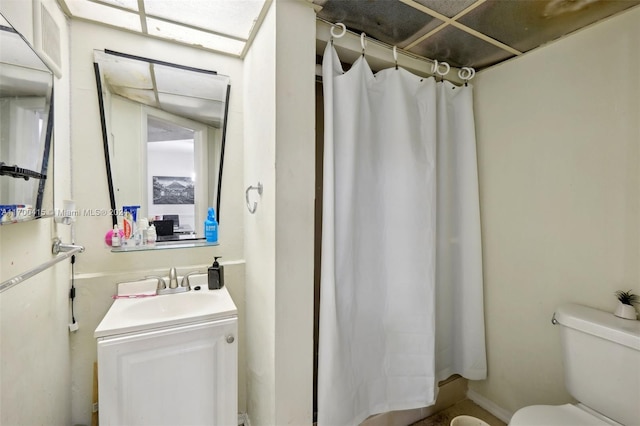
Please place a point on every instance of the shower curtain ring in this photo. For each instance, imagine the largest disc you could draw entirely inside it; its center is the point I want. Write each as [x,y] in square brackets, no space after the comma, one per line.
[395,55]
[339,25]
[466,74]
[252,209]
[446,66]
[363,42]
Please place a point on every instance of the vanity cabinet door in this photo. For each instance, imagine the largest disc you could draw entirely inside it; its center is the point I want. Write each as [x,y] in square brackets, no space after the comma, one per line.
[184,375]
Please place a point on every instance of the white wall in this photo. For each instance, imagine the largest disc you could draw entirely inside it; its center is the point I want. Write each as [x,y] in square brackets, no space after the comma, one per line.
[260,161]
[558,133]
[34,315]
[295,202]
[280,153]
[98,270]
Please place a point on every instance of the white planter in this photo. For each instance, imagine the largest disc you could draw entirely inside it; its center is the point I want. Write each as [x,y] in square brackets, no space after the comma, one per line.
[625,311]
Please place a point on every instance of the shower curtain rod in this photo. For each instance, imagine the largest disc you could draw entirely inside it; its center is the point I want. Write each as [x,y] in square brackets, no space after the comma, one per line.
[380,43]
[381,53]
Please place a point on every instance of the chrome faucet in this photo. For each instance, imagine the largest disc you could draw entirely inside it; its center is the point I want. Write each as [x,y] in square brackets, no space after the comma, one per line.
[173,286]
[185,280]
[162,284]
[173,278]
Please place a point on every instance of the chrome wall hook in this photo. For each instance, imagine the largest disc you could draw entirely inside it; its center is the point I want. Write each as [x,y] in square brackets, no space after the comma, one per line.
[252,209]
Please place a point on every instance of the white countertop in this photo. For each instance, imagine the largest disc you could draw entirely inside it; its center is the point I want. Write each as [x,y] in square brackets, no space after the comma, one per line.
[146,311]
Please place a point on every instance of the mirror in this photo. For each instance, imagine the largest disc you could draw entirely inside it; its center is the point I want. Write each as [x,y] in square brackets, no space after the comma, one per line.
[164,131]
[26,129]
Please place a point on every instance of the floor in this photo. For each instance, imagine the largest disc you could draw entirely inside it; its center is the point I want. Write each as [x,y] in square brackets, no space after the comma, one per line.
[466,406]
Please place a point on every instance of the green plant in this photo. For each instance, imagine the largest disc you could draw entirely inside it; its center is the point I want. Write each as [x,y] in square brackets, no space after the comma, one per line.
[627,298]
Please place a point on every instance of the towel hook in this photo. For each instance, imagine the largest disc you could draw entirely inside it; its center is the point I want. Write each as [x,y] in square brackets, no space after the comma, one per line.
[340,25]
[252,209]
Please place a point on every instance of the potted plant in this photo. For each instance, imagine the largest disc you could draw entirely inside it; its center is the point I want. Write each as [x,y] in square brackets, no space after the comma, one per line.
[625,308]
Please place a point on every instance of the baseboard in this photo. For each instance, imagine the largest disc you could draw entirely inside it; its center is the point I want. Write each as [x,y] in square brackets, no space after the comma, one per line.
[490,406]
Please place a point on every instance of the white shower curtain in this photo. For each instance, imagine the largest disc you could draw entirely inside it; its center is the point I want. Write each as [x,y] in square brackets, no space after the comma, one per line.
[401,275]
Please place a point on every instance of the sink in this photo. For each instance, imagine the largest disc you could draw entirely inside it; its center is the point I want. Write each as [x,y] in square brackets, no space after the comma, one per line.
[192,303]
[134,314]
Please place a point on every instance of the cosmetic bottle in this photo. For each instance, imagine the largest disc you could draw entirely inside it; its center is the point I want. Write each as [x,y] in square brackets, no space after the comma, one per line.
[211,227]
[130,214]
[143,229]
[215,275]
[152,236]
[115,237]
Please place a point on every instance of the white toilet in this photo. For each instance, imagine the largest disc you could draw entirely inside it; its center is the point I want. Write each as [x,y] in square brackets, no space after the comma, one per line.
[601,355]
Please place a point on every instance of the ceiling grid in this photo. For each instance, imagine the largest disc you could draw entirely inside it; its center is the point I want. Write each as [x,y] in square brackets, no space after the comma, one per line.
[468,33]
[225,26]
[463,33]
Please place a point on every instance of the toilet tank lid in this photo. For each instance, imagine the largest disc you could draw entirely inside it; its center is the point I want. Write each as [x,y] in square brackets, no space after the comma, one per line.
[600,323]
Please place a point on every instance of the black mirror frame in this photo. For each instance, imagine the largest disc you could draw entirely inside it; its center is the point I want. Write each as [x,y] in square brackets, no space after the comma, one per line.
[105,139]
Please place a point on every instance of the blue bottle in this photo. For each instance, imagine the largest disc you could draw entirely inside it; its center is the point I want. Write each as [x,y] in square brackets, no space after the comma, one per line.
[211,227]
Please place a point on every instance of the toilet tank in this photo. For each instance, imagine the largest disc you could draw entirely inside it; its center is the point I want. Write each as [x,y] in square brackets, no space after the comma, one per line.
[601,355]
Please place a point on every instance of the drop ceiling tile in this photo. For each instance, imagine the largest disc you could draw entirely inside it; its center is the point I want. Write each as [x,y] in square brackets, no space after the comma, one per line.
[194,37]
[448,8]
[460,49]
[124,72]
[232,17]
[14,51]
[147,97]
[105,14]
[391,22]
[220,25]
[127,4]
[203,110]
[526,24]
[159,130]
[191,84]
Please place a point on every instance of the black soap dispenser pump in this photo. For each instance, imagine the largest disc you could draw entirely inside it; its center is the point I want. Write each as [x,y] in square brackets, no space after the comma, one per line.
[216,275]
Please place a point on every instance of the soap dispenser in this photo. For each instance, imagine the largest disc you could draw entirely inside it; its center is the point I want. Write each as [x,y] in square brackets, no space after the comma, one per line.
[216,275]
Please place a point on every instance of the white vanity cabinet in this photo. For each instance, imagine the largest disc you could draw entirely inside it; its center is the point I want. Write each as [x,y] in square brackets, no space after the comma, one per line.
[185,375]
[181,370]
